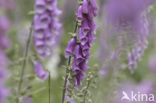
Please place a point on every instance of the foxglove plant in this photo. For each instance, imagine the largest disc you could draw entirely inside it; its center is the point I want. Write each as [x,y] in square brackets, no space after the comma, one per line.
[130,18]
[79,47]
[47,29]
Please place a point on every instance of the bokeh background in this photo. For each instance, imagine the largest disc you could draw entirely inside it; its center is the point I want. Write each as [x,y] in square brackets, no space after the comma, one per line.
[105,86]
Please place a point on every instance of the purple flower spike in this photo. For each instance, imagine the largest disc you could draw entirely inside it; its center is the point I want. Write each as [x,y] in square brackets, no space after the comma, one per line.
[130,17]
[47,28]
[85,14]
[70,48]
[40,72]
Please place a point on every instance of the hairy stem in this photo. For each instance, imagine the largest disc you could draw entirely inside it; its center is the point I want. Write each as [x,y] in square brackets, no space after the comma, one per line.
[85,93]
[25,58]
[67,71]
[65,83]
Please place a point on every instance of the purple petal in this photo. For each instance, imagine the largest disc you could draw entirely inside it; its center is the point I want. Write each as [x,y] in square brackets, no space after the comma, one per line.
[70,48]
[40,72]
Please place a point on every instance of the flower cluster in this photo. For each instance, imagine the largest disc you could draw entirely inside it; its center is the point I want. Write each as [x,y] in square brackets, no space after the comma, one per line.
[79,47]
[141,44]
[129,17]
[47,29]
[4,44]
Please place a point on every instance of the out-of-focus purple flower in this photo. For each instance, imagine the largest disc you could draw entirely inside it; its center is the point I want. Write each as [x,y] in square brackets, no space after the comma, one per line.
[152,63]
[69,99]
[130,18]
[85,15]
[7,4]
[40,72]
[126,13]
[3,94]
[4,41]
[27,100]
[5,23]
[3,60]
[47,29]
[70,48]
[3,76]
[4,26]
[103,72]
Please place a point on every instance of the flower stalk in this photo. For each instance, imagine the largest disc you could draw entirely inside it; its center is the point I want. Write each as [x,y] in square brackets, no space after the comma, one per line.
[49,84]
[67,70]
[25,57]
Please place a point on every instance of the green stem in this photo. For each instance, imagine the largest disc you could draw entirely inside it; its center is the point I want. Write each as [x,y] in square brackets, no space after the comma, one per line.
[85,93]
[65,83]
[49,83]
[25,58]
[67,72]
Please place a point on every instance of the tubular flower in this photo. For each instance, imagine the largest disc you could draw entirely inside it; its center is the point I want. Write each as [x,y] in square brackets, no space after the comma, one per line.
[40,72]
[85,15]
[70,48]
[47,29]
[131,17]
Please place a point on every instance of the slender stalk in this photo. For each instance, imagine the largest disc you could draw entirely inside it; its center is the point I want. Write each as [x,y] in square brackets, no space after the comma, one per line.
[68,65]
[25,57]
[49,83]
[85,93]
[65,83]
